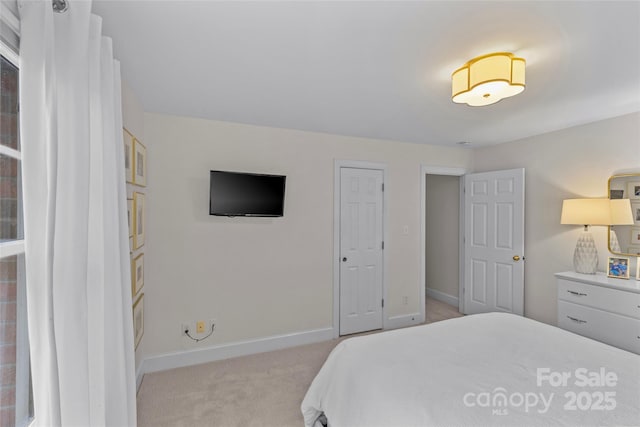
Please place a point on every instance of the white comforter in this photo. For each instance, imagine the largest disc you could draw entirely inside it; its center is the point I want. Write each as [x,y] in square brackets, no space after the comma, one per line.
[481,370]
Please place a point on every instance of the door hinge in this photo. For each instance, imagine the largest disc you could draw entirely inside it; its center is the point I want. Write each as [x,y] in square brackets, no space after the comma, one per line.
[383,187]
[383,245]
[382,302]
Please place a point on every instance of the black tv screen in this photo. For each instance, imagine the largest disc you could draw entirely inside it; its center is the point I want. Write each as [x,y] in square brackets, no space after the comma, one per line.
[246,194]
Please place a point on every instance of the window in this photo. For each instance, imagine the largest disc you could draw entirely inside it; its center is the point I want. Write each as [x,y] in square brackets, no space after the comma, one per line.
[16,407]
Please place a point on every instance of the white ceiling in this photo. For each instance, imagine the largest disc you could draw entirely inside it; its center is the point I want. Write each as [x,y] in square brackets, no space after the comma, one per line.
[377,69]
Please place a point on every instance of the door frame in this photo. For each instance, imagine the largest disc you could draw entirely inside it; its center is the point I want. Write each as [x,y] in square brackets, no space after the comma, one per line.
[356,164]
[450,171]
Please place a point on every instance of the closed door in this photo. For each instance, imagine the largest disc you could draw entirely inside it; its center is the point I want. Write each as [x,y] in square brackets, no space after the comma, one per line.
[494,242]
[361,248]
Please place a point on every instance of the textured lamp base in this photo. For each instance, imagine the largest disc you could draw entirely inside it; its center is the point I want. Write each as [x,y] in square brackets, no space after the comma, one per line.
[585,257]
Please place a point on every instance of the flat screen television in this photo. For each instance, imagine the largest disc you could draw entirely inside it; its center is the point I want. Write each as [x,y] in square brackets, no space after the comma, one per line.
[246,194]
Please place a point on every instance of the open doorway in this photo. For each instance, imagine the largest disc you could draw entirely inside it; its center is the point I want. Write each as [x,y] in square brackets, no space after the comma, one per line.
[442,235]
[442,245]
[491,261]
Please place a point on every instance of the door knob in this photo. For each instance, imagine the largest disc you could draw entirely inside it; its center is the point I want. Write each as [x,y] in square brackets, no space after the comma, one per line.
[516,258]
[344,259]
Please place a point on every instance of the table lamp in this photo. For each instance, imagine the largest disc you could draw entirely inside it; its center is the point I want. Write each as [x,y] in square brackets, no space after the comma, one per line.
[586,212]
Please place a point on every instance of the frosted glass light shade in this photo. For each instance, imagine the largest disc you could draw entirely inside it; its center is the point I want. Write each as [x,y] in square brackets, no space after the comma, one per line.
[487,79]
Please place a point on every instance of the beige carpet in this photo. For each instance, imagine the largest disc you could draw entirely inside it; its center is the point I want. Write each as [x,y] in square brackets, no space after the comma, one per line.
[258,390]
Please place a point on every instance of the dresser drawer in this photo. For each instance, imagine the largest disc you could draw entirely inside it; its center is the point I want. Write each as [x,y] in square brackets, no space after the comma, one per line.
[625,303]
[618,331]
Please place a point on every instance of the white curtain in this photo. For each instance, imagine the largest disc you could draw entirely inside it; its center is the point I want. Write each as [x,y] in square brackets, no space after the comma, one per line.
[76,237]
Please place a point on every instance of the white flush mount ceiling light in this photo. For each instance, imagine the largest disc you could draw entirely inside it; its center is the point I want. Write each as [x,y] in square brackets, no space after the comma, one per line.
[487,79]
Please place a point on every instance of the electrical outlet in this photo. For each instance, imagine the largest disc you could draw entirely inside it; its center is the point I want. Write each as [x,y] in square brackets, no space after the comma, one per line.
[405,300]
[200,326]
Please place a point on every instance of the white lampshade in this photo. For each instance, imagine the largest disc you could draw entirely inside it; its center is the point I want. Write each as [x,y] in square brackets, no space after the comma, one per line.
[586,212]
[621,213]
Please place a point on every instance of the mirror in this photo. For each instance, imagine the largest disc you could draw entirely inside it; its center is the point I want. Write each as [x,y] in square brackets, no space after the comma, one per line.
[626,186]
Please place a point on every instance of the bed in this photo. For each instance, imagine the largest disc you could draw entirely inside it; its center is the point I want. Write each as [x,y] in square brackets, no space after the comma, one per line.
[491,369]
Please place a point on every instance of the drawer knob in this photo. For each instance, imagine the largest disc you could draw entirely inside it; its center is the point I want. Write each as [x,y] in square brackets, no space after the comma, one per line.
[577,320]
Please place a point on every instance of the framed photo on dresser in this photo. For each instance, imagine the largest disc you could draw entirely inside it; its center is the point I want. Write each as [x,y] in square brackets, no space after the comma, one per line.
[618,267]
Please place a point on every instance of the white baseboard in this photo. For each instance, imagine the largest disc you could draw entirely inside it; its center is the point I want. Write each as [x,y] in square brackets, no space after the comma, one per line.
[403,321]
[441,296]
[225,351]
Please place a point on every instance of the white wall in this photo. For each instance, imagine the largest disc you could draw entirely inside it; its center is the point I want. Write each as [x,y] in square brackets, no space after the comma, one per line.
[133,121]
[132,112]
[570,163]
[442,231]
[261,277]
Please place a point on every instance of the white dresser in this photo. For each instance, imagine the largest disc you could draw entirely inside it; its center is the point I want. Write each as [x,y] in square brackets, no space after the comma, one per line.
[599,307]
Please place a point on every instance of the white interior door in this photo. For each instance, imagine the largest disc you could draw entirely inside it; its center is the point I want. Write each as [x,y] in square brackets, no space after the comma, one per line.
[361,231]
[494,242]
